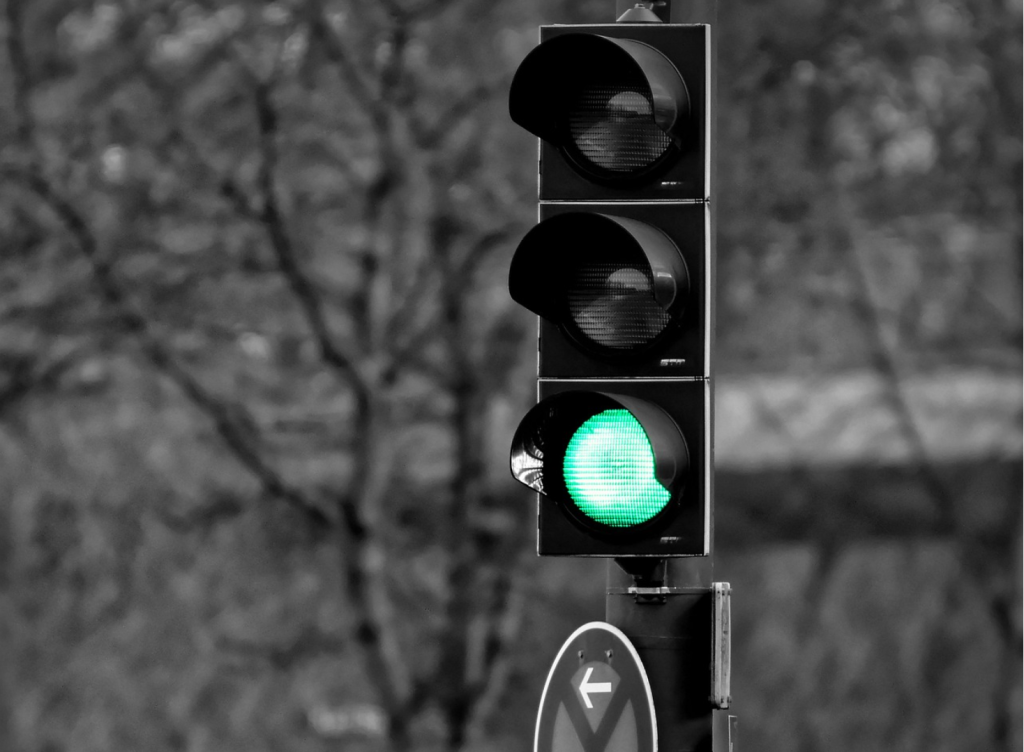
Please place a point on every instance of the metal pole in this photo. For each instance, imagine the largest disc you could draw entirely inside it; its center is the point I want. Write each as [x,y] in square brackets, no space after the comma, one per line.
[668,619]
[665,606]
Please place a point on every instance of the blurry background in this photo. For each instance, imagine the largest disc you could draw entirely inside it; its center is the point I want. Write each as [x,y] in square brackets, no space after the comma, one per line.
[259,374]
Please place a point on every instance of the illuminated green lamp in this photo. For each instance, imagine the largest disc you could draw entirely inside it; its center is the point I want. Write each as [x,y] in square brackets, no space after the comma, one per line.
[609,471]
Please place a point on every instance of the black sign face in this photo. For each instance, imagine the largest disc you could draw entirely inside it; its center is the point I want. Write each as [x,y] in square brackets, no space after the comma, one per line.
[597,697]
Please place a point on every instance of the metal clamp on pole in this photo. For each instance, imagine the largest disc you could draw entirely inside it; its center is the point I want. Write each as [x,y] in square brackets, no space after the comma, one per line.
[648,579]
[631,11]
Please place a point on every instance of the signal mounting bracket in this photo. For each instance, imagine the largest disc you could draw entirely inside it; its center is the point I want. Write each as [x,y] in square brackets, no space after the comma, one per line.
[648,11]
[648,579]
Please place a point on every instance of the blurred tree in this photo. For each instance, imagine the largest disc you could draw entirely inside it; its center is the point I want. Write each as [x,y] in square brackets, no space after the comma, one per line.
[258,368]
[280,210]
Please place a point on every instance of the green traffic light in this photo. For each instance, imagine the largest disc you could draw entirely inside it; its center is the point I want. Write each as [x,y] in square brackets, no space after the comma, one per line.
[608,469]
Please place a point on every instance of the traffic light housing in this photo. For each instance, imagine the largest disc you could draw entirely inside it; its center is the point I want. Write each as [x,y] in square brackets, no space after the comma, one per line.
[621,289]
[620,472]
[619,270]
[620,109]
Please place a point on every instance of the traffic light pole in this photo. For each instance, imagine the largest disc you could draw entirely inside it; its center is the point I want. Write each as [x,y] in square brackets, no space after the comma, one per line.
[670,609]
[679,623]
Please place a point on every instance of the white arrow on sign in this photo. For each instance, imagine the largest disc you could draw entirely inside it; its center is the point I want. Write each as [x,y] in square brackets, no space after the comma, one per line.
[586,687]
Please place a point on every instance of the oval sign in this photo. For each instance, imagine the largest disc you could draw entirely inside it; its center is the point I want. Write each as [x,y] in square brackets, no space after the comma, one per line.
[597,697]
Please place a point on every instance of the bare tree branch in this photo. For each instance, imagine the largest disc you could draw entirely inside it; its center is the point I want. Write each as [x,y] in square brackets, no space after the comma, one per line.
[413,320]
[384,662]
[28,373]
[358,508]
[410,12]
[305,293]
[356,82]
[369,366]
[225,419]
[431,135]
[884,361]
[21,77]
[223,507]
[498,660]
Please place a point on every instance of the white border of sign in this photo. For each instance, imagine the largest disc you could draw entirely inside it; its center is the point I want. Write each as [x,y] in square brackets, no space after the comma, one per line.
[636,659]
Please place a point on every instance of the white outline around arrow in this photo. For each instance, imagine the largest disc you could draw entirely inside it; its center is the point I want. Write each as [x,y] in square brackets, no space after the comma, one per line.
[597,687]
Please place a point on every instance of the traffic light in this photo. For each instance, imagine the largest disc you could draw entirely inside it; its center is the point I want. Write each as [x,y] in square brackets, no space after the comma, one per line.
[621,111]
[619,271]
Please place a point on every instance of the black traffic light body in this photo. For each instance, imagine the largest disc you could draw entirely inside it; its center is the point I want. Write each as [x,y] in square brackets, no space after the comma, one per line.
[619,270]
[683,350]
[683,527]
[538,95]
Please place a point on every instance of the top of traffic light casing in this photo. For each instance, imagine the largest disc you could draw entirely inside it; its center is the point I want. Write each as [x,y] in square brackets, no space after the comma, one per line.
[620,110]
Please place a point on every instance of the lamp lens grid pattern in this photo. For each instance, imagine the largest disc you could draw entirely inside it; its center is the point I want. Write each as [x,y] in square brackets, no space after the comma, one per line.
[608,470]
[613,128]
[613,305]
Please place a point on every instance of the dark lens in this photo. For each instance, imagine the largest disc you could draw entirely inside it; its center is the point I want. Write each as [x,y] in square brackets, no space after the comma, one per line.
[612,127]
[613,305]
